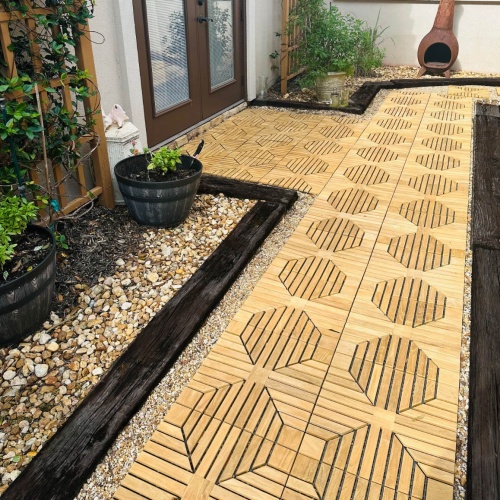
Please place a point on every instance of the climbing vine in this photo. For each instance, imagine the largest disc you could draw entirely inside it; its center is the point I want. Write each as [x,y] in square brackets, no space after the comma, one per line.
[44,118]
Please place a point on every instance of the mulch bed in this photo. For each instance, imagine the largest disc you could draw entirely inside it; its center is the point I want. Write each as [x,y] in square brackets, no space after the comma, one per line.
[96,239]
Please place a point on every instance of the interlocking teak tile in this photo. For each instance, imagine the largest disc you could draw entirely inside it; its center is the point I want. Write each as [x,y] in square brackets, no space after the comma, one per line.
[339,375]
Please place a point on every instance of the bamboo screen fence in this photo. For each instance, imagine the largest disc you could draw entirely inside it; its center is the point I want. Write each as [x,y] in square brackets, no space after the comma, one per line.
[9,21]
[288,47]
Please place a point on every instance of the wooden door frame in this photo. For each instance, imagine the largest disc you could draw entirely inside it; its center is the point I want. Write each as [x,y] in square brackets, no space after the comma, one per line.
[146,76]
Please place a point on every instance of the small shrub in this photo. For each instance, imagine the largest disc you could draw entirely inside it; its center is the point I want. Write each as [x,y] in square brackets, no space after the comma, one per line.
[15,214]
[164,160]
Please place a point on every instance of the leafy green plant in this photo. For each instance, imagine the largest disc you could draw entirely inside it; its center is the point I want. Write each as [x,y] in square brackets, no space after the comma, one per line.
[370,54]
[164,160]
[15,214]
[43,46]
[327,40]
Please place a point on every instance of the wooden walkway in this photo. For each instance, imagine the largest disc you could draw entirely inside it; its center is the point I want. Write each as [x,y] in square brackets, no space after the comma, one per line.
[338,377]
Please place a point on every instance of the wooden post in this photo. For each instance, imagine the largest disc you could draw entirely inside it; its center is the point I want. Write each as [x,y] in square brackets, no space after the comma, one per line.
[284,62]
[100,158]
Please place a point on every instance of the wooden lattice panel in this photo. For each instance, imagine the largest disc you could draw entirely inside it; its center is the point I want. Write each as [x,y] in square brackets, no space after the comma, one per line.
[377,154]
[353,201]
[441,144]
[307,165]
[426,213]
[394,124]
[312,278]
[323,147]
[337,132]
[394,373]
[419,251]
[438,161]
[367,174]
[406,101]
[409,301]
[400,112]
[445,128]
[335,234]
[447,116]
[291,183]
[280,337]
[433,184]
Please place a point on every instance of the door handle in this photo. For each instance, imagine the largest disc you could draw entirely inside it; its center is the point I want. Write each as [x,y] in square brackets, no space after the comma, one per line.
[205,20]
[200,2]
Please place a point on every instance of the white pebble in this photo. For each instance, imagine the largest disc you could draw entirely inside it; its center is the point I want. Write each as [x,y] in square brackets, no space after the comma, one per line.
[126,306]
[41,370]
[9,375]
[44,338]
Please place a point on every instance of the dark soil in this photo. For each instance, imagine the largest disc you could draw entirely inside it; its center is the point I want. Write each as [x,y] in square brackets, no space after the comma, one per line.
[153,175]
[31,248]
[96,241]
[295,92]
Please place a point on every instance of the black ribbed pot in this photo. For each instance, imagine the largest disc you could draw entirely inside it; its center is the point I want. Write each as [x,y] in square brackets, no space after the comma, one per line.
[25,302]
[153,203]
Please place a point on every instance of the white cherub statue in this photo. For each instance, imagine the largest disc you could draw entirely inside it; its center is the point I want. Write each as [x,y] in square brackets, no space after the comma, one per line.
[116,115]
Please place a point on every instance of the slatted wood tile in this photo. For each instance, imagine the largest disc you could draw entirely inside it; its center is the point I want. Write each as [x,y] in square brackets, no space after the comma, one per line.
[447,115]
[377,154]
[353,201]
[394,373]
[427,213]
[437,161]
[394,124]
[419,251]
[335,234]
[433,184]
[307,165]
[338,376]
[312,278]
[367,174]
[411,302]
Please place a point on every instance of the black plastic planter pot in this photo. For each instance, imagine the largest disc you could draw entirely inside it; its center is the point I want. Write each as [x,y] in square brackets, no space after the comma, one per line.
[26,301]
[152,203]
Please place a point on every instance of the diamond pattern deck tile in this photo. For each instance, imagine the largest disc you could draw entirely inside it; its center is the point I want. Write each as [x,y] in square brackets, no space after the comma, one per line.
[335,378]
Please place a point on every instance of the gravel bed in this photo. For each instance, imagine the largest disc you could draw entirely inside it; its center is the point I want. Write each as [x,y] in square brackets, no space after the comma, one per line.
[44,378]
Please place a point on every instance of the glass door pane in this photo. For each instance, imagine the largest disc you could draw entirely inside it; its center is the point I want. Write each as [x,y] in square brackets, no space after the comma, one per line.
[168,52]
[221,42]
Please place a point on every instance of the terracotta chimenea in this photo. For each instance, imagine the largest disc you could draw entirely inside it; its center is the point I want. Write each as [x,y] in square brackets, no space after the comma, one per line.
[438,50]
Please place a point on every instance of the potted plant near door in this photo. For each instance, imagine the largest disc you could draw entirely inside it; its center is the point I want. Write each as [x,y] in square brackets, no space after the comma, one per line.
[159,188]
[328,45]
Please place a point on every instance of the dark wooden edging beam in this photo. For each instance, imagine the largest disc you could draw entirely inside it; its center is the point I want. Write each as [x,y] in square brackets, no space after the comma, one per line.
[483,465]
[67,460]
[363,97]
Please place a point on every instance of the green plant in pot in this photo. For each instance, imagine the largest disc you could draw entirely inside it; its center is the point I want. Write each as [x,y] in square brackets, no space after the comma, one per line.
[159,187]
[27,268]
[329,45]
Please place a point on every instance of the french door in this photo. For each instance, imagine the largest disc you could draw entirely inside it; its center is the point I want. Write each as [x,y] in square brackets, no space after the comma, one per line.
[191,59]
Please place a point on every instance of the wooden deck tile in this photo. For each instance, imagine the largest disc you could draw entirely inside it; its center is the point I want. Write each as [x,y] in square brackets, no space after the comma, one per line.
[338,377]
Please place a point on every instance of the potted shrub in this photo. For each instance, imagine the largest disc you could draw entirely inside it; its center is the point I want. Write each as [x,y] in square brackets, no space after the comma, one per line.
[27,265]
[159,188]
[329,45]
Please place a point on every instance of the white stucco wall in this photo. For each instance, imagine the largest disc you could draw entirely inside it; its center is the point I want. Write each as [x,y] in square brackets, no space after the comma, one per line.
[475,26]
[116,60]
